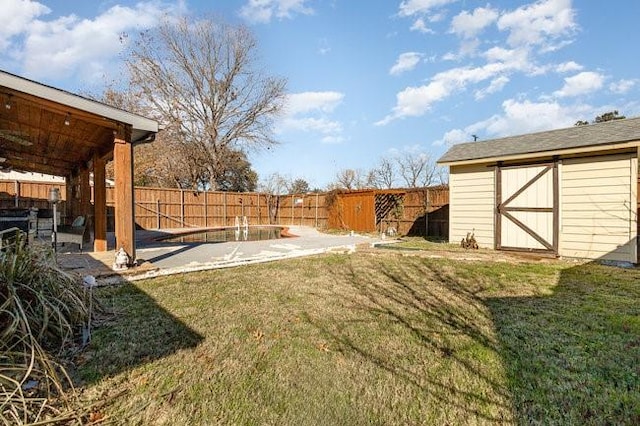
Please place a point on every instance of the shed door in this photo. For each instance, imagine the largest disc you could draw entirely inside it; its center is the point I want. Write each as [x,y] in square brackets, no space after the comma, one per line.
[527,207]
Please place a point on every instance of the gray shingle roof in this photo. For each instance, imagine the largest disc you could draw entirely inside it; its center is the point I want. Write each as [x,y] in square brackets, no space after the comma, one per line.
[609,132]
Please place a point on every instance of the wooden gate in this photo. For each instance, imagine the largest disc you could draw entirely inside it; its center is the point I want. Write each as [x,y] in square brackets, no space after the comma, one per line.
[527,203]
[353,210]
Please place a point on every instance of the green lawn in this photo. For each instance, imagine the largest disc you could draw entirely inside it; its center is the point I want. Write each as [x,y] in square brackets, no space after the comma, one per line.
[371,338]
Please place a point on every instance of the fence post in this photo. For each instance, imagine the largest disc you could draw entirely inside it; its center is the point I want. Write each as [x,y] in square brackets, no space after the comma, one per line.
[258,207]
[158,212]
[206,210]
[316,210]
[224,209]
[182,208]
[293,204]
[426,215]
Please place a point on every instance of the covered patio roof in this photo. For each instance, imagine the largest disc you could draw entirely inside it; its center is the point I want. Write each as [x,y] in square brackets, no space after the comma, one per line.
[48,130]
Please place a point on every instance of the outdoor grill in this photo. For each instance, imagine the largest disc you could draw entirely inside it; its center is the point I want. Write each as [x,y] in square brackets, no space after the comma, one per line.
[24,219]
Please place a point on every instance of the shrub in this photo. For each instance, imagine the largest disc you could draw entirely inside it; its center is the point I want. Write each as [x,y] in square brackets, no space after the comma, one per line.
[42,309]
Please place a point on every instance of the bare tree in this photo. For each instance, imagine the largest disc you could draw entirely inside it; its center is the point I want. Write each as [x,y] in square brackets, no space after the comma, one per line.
[442,175]
[273,187]
[383,176]
[199,79]
[348,179]
[417,170]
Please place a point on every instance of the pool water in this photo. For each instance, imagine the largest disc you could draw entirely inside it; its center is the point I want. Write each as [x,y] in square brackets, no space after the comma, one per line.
[222,235]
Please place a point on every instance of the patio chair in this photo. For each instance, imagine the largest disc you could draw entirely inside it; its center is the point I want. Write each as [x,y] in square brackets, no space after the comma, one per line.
[73,233]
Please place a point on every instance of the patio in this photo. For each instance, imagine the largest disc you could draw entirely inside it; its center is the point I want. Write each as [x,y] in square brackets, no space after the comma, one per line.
[156,258]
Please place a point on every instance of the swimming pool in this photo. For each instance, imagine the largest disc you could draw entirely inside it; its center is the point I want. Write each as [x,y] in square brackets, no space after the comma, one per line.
[222,235]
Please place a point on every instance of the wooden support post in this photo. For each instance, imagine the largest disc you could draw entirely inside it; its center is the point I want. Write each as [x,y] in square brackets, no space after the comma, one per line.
[99,205]
[158,213]
[71,209]
[17,194]
[124,197]
[84,200]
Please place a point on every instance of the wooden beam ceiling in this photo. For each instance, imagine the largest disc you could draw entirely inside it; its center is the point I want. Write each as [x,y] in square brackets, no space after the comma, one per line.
[42,136]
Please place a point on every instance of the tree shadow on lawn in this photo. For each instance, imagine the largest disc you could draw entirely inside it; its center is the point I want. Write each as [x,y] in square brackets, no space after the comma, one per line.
[573,357]
[448,360]
[570,357]
[137,331]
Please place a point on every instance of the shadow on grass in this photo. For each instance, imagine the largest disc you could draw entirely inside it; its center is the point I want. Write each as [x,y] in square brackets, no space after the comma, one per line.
[574,357]
[137,332]
[450,335]
[569,357]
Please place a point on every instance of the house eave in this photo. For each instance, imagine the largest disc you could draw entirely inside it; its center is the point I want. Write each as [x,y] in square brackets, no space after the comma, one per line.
[20,84]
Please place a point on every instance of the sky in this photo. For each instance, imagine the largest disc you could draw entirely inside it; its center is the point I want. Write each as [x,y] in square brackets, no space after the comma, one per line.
[369,79]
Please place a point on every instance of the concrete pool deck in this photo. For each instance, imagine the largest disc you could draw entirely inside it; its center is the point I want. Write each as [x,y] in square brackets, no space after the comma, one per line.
[157,258]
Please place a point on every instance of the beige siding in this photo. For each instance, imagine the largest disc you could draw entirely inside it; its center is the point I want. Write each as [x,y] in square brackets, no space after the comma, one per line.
[471,203]
[598,213]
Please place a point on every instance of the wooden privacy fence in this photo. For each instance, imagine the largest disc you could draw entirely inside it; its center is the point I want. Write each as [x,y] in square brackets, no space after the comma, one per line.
[26,194]
[407,211]
[415,211]
[162,208]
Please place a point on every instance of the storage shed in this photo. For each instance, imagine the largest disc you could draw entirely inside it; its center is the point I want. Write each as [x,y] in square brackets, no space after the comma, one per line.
[569,192]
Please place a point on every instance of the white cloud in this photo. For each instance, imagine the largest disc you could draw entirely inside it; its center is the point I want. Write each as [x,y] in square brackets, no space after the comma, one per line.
[298,103]
[22,13]
[454,136]
[528,31]
[520,117]
[496,85]
[413,7]
[423,9]
[310,124]
[519,57]
[437,17]
[468,25]
[622,86]
[70,46]
[309,112]
[539,23]
[332,139]
[580,84]
[468,47]
[263,11]
[420,26]
[406,62]
[415,101]
[569,67]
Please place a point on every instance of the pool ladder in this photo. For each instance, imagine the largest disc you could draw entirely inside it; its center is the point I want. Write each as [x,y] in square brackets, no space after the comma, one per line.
[242,222]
